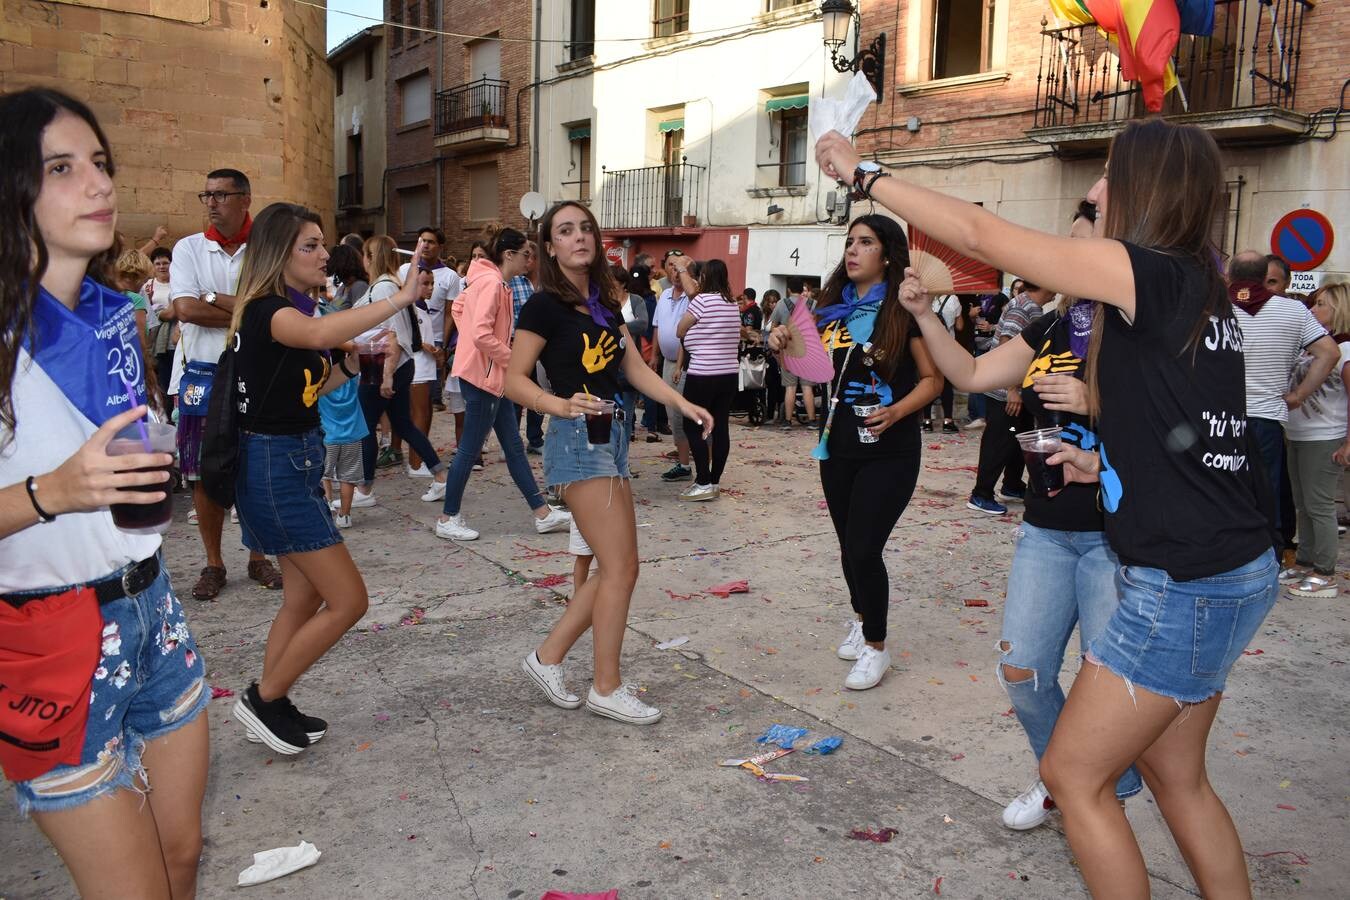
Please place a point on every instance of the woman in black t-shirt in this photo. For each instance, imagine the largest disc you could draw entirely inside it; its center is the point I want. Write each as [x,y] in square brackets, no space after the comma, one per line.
[1184,512]
[283,364]
[869,466]
[574,326]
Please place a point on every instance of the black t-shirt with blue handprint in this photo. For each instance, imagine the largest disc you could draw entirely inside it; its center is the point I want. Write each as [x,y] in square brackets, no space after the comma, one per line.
[862,381]
[579,356]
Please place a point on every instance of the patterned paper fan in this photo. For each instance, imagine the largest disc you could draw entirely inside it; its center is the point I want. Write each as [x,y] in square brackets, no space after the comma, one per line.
[942,270]
[805,355]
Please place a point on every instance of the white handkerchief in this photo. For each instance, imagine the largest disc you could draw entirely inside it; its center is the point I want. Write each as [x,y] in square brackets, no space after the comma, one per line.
[824,114]
[272,864]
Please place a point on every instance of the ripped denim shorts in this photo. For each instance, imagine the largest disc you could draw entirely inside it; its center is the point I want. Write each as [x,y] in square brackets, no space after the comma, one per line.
[569,456]
[149,682]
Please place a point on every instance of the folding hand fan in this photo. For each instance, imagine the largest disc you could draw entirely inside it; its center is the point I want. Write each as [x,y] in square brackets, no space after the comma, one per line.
[805,355]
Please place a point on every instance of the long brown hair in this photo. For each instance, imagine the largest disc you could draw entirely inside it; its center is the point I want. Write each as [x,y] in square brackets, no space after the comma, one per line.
[1166,185]
[554,280]
[385,261]
[270,245]
[893,320]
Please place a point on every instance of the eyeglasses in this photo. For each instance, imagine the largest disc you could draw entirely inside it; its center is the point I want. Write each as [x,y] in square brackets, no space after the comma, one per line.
[670,253]
[218,196]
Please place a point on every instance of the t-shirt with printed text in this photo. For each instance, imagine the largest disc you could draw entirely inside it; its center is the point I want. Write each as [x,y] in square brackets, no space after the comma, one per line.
[579,356]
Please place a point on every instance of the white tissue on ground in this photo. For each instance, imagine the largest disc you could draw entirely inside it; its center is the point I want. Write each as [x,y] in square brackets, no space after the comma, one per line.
[272,864]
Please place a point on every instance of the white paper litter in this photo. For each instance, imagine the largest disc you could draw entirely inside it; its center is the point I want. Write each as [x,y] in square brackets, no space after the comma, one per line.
[673,643]
[269,865]
[825,115]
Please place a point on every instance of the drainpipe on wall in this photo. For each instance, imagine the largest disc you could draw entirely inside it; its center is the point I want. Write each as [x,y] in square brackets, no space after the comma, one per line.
[438,159]
[534,119]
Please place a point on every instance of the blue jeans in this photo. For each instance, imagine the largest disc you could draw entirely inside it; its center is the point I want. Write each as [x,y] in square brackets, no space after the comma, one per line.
[1058,579]
[484,412]
[1269,437]
[534,428]
[975,402]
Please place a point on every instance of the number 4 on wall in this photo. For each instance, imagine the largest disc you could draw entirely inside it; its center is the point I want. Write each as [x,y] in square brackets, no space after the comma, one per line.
[795,256]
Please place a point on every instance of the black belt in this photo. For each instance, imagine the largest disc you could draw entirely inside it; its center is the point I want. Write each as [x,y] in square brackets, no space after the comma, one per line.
[135,579]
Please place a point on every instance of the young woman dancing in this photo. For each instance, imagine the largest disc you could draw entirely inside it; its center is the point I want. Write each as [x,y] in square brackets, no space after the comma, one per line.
[1164,371]
[284,364]
[574,325]
[88,618]
[869,464]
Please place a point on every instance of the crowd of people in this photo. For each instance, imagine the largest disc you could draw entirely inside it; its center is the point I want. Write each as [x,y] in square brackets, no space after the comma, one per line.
[1207,388]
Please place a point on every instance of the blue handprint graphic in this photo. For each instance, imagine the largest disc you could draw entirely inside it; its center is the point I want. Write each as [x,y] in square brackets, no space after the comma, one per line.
[856,389]
[1111,486]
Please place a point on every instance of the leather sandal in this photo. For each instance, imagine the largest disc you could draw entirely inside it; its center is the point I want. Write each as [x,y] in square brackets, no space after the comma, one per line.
[263,572]
[209,586]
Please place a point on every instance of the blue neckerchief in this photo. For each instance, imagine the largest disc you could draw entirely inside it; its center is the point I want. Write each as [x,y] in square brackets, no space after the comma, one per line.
[599,314]
[859,315]
[92,352]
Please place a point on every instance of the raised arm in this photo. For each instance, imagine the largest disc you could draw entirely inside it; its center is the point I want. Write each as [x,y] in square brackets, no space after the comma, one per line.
[295,329]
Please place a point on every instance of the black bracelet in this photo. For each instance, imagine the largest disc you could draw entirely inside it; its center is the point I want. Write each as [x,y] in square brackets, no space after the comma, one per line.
[342,364]
[43,515]
[867,191]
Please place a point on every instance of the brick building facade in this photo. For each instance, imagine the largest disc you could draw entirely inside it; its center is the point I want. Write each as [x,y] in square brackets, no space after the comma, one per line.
[412,179]
[183,87]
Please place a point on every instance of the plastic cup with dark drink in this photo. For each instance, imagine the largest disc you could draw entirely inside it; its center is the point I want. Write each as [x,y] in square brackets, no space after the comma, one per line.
[600,425]
[867,406]
[1038,446]
[371,356]
[145,518]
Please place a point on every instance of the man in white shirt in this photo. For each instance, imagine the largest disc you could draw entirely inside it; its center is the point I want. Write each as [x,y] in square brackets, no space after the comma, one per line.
[670,306]
[1275,330]
[202,280]
[428,366]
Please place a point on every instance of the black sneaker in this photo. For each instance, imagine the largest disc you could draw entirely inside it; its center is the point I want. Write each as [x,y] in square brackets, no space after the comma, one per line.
[315,728]
[271,722]
[535,449]
[928,425]
[949,427]
[676,472]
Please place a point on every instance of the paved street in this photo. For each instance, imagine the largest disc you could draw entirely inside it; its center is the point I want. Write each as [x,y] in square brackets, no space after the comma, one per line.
[445,774]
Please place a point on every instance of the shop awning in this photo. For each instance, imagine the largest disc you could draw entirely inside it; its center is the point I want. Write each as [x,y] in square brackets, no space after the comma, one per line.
[801,101]
[671,125]
[579,132]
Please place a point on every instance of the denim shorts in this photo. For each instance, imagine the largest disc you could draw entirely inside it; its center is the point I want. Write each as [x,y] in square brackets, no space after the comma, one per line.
[1179,638]
[279,493]
[569,456]
[149,682]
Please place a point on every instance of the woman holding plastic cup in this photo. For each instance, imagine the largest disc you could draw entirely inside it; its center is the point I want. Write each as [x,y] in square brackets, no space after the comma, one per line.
[284,363]
[869,451]
[574,326]
[1185,513]
[90,720]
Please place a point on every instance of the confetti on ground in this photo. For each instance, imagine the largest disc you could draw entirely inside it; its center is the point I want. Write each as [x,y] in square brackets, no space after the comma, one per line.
[731,587]
[883,836]
[218,692]
[675,596]
[361,748]
[550,581]
[1257,652]
[975,602]
[1286,806]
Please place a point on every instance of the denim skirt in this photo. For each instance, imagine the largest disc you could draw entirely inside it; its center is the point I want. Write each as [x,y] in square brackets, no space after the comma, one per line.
[569,456]
[1180,638]
[279,493]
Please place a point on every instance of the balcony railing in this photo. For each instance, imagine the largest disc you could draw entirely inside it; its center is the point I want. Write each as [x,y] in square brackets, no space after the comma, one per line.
[350,189]
[1249,62]
[478,104]
[651,197]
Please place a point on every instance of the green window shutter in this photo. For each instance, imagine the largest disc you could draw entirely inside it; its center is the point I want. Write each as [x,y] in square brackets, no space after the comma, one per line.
[799,102]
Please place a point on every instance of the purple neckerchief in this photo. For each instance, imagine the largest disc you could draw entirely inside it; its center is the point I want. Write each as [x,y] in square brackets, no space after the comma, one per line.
[303,302]
[1080,327]
[599,314]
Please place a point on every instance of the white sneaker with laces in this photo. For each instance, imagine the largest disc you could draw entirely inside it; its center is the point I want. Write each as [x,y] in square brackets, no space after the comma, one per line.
[869,669]
[362,500]
[342,521]
[1031,808]
[420,472]
[556,520]
[550,680]
[700,492]
[454,529]
[853,642]
[622,706]
[435,491]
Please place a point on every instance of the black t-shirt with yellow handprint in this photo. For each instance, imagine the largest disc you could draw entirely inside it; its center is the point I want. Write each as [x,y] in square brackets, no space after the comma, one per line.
[278,385]
[579,356]
[1075,508]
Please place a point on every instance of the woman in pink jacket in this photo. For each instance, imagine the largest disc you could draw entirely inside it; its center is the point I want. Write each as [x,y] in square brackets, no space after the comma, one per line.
[482,313]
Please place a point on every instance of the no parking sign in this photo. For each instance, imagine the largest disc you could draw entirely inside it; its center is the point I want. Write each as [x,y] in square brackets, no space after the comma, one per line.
[1303,238]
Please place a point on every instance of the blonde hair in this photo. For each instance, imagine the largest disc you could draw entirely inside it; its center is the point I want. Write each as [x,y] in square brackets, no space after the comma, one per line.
[133,265]
[1336,296]
[270,244]
[380,256]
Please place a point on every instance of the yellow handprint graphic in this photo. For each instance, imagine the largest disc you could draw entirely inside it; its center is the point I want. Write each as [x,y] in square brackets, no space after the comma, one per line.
[1051,364]
[594,359]
[310,396]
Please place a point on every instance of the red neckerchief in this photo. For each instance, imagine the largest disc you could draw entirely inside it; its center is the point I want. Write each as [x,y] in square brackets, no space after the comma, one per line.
[240,238]
[1249,296]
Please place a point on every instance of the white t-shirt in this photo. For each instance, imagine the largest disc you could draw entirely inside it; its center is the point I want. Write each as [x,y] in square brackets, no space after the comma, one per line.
[77,547]
[948,307]
[447,286]
[385,286]
[1322,415]
[1271,343]
[200,266]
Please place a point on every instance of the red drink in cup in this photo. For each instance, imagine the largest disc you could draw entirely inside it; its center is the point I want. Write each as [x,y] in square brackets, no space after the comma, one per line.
[145,518]
[599,426]
[371,356]
[1038,446]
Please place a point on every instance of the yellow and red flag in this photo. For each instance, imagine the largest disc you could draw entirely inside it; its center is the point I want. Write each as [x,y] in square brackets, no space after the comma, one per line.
[1145,33]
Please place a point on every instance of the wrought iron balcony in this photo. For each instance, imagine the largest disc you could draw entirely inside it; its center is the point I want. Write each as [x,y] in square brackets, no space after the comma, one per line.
[1240,80]
[472,115]
[350,191]
[651,197]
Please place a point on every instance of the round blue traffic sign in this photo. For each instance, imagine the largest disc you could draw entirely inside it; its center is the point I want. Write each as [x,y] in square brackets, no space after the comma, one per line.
[1303,238]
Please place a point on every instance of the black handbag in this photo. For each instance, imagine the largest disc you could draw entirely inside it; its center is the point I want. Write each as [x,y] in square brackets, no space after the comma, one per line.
[220,438]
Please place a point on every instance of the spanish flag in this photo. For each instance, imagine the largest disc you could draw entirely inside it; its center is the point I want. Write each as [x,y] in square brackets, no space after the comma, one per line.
[1145,33]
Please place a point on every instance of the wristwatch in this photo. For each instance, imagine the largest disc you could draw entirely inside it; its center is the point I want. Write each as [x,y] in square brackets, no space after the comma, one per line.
[863,178]
[210,297]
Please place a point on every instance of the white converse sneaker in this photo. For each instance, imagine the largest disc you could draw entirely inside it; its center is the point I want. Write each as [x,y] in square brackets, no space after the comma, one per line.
[435,492]
[361,499]
[454,529]
[853,642]
[342,521]
[556,520]
[549,679]
[1031,808]
[622,706]
[420,472]
[869,669]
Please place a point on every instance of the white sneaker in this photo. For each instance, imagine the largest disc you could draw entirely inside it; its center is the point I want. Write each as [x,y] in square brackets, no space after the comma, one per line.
[361,499]
[700,492]
[556,520]
[869,669]
[974,425]
[234,515]
[420,472]
[342,521]
[1031,808]
[622,706]
[192,517]
[435,491]
[853,642]
[454,529]
[549,679]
